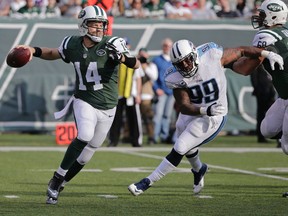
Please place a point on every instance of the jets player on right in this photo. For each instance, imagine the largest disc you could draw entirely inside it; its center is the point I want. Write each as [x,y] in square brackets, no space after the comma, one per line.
[272,34]
[199,87]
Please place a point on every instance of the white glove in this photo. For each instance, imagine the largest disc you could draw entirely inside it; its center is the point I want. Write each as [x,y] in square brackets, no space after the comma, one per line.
[213,110]
[114,53]
[273,58]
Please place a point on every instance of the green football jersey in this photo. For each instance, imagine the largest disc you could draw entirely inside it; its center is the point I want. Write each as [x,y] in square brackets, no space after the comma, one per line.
[279,77]
[96,73]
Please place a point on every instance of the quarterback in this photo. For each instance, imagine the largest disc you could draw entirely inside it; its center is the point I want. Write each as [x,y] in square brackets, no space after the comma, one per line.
[95,58]
[199,87]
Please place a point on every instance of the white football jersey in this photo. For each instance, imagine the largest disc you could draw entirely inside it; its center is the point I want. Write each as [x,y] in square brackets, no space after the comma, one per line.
[209,84]
[265,37]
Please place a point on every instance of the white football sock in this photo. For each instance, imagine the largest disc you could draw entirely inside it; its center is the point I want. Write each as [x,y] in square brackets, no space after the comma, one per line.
[164,168]
[195,163]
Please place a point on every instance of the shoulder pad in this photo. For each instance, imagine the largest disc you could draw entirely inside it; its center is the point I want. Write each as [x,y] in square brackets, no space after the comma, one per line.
[173,79]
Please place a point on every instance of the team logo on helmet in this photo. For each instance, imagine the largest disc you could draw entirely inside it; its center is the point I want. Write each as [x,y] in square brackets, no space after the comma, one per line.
[101,52]
[274,7]
[81,14]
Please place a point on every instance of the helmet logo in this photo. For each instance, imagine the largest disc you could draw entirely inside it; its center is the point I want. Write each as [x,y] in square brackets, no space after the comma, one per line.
[81,14]
[274,7]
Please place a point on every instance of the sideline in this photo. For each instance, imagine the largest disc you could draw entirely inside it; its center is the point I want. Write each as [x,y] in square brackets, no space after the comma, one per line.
[142,149]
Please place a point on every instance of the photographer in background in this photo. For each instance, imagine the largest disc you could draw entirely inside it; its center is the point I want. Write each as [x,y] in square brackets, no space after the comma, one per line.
[151,74]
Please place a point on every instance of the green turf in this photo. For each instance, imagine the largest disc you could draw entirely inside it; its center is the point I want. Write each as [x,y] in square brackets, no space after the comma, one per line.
[228,191]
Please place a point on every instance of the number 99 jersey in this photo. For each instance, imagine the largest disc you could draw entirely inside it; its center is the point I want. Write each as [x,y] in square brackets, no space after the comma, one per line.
[209,84]
[96,74]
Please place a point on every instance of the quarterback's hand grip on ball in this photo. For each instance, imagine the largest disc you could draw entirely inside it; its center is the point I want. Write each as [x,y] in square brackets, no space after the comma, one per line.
[213,110]
[114,53]
[273,59]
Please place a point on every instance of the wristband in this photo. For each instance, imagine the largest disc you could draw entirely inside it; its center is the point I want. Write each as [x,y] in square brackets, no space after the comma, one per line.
[38,52]
[203,110]
[130,61]
[265,53]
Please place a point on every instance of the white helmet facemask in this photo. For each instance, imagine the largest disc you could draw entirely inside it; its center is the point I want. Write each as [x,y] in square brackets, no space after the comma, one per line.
[92,13]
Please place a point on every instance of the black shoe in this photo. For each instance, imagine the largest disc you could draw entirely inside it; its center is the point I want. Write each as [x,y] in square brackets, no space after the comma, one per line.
[53,190]
[285,194]
[199,178]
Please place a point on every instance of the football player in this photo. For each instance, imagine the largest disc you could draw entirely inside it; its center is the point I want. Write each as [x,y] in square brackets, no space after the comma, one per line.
[199,87]
[274,35]
[95,58]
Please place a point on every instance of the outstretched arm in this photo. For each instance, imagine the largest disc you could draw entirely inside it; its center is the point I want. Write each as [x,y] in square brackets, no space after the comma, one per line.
[43,52]
[246,66]
[244,60]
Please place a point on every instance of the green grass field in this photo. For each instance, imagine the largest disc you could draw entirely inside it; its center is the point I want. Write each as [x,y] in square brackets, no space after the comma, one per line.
[244,178]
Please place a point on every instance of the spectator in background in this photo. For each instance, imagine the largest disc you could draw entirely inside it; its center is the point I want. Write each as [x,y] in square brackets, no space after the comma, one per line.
[165,101]
[129,100]
[52,9]
[42,5]
[5,7]
[243,10]
[17,4]
[226,11]
[203,11]
[191,4]
[156,9]
[137,10]
[70,8]
[151,74]
[256,5]
[175,10]
[30,10]
[118,8]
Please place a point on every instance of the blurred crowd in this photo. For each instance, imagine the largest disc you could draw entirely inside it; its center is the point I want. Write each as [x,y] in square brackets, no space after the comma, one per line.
[139,9]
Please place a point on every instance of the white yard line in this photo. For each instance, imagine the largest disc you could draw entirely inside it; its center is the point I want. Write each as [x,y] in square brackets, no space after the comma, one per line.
[143,149]
[214,166]
[139,152]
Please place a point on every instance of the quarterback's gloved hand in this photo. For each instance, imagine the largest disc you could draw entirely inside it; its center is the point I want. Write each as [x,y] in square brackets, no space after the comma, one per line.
[273,59]
[213,110]
[114,53]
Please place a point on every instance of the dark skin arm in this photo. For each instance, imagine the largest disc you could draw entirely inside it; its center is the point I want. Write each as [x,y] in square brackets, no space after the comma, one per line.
[246,59]
[185,106]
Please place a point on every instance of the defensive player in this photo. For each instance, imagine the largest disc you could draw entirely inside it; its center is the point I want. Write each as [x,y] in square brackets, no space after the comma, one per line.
[95,58]
[272,34]
[199,87]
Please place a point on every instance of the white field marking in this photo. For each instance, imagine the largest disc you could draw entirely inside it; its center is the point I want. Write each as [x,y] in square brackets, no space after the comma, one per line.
[214,166]
[204,196]
[147,169]
[137,152]
[131,149]
[108,196]
[11,196]
[275,169]
[52,170]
